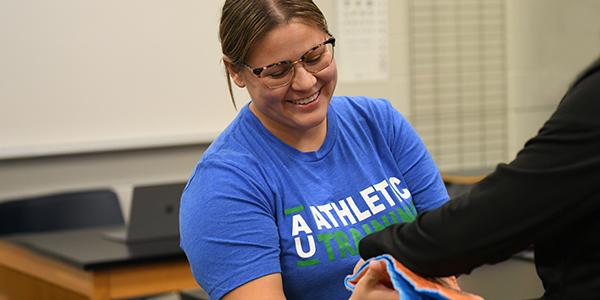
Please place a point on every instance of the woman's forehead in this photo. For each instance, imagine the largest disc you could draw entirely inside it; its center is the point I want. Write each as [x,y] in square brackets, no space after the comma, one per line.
[286,42]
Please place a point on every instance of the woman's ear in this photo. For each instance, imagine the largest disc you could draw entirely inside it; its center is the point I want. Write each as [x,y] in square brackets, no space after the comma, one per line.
[235,74]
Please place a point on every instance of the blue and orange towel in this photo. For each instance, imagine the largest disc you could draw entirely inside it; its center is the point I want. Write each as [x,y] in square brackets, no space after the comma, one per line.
[409,285]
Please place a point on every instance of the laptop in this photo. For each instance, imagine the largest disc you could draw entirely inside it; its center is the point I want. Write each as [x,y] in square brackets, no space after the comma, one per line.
[154,214]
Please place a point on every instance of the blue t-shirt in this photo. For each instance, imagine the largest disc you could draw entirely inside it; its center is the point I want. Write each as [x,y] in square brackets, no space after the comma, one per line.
[256,206]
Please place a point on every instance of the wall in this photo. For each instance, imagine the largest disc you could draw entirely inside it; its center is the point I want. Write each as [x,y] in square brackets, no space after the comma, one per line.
[457,62]
[120,170]
[81,76]
[548,42]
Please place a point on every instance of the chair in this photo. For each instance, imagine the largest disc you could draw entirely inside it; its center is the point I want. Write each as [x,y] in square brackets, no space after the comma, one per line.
[195,294]
[457,189]
[61,211]
[462,182]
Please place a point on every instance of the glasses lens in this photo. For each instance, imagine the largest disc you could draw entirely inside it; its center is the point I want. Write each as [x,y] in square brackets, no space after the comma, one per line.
[319,59]
[314,61]
[277,75]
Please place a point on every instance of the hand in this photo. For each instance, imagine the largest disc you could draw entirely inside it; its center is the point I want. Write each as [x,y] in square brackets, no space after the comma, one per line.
[358,264]
[371,287]
[449,282]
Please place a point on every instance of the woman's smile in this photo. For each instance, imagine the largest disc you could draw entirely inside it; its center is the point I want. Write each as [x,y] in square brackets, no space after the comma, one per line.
[308,100]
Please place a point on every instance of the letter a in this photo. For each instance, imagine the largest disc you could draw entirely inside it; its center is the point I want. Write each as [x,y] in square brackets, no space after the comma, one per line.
[298,224]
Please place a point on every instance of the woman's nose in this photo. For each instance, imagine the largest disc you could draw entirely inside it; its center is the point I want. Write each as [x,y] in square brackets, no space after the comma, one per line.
[303,80]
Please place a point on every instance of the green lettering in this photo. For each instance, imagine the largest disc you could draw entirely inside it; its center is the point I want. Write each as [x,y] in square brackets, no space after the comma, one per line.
[409,212]
[394,218]
[377,226]
[292,210]
[326,237]
[310,262]
[386,222]
[404,216]
[367,229]
[356,236]
[414,210]
[342,241]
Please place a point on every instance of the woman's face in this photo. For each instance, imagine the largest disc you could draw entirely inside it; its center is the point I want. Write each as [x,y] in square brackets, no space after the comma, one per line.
[301,105]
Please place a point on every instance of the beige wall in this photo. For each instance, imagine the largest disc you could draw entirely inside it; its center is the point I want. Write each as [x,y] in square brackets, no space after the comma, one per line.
[549,42]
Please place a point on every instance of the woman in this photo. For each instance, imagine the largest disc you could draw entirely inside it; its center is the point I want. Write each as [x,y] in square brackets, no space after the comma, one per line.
[277,204]
[548,196]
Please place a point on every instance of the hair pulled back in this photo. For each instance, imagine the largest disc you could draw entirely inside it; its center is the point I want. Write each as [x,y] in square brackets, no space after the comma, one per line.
[245,22]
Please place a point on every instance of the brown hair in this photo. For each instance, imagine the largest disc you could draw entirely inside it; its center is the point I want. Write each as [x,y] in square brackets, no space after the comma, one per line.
[245,22]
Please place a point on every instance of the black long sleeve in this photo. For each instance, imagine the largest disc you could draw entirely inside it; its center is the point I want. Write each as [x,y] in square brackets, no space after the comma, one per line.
[548,196]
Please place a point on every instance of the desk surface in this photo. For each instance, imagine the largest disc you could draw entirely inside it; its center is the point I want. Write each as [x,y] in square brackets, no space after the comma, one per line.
[87,249]
[82,264]
[465,177]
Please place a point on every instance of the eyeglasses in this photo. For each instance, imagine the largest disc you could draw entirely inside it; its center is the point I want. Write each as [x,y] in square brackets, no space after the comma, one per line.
[281,74]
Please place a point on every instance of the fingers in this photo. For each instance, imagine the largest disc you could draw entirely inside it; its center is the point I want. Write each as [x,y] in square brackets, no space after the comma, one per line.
[374,284]
[357,266]
[449,282]
[374,273]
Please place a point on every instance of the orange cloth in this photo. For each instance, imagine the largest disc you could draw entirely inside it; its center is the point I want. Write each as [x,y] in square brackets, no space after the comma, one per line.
[410,285]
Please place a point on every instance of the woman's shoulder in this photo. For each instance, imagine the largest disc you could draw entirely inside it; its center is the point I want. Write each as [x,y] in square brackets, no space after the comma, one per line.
[355,103]
[224,163]
[365,108]
[237,144]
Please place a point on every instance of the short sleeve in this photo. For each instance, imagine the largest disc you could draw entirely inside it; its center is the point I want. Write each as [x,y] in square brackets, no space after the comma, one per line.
[228,228]
[416,164]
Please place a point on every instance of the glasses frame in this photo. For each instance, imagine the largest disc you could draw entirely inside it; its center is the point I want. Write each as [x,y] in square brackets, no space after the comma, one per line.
[258,71]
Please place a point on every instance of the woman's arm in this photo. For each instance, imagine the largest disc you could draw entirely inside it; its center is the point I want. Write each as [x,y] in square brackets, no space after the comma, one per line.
[227,227]
[269,287]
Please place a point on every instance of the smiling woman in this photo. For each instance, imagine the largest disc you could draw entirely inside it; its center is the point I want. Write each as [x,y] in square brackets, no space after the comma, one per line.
[296,113]
[302,175]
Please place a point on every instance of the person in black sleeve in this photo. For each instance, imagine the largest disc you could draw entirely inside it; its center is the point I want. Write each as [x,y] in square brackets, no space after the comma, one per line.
[548,196]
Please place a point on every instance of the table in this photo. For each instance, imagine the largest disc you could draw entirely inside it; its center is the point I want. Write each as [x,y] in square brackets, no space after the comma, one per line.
[465,177]
[82,264]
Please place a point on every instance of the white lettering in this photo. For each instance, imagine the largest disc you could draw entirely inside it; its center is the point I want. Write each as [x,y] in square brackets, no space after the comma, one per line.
[298,224]
[370,200]
[311,247]
[405,192]
[381,188]
[360,215]
[344,212]
[319,219]
[326,209]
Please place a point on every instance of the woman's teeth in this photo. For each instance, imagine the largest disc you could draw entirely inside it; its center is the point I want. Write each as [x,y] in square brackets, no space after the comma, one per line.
[307,100]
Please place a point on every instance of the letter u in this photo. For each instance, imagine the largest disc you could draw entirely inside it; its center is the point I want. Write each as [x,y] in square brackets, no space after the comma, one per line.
[311,247]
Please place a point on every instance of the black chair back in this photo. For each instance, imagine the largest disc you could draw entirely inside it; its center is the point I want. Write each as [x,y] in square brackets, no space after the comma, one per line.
[61,211]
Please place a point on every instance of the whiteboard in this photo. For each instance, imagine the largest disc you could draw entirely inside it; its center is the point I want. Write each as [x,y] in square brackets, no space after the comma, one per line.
[78,76]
